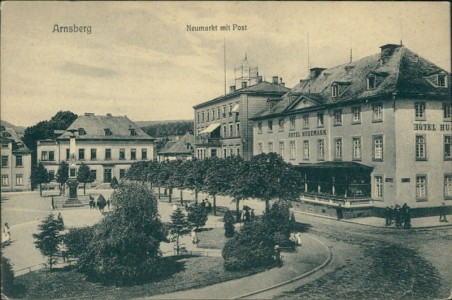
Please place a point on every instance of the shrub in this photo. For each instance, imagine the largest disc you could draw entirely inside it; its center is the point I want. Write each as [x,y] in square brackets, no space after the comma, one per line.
[229,224]
[7,277]
[78,239]
[251,247]
[48,238]
[278,222]
[197,215]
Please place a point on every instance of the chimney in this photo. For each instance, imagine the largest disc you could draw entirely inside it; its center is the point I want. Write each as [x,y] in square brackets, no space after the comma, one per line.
[275,79]
[232,88]
[259,79]
[243,84]
[387,51]
[89,114]
[314,72]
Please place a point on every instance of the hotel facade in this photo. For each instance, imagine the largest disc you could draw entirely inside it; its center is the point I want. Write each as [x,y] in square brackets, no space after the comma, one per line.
[367,134]
[108,144]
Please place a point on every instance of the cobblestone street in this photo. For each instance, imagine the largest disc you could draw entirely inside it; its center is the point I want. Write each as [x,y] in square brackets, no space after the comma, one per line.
[379,263]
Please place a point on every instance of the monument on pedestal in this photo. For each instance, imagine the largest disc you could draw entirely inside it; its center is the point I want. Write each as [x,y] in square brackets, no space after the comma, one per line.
[72,182]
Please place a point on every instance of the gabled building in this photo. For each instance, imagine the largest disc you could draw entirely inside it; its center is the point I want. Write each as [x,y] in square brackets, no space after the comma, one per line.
[181,148]
[371,133]
[107,144]
[222,126]
[16,162]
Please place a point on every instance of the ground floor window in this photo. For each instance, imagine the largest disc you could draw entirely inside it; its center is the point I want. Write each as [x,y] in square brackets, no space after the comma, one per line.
[5,180]
[306,150]
[270,147]
[292,150]
[93,175]
[19,179]
[378,186]
[421,187]
[448,186]
[122,173]
[107,175]
[260,148]
[281,149]
[224,153]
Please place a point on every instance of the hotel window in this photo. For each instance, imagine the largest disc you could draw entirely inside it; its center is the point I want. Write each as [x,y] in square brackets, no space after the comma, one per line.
[270,147]
[421,148]
[378,186]
[371,82]
[292,123]
[356,148]
[122,173]
[68,154]
[259,127]
[44,155]
[338,117]
[356,113]
[231,151]
[4,161]
[237,129]
[306,150]
[51,155]
[448,186]
[202,116]
[447,111]
[133,154]
[81,154]
[334,91]
[218,113]
[144,153]
[122,154]
[447,147]
[208,116]
[260,148]
[224,110]
[281,124]
[213,114]
[377,112]
[270,126]
[19,161]
[338,149]
[93,175]
[107,154]
[197,118]
[306,121]
[93,154]
[421,187]
[281,149]
[320,150]
[320,120]
[293,150]
[5,180]
[224,131]
[378,148]
[442,80]
[20,179]
[419,111]
[231,131]
[230,109]
[224,153]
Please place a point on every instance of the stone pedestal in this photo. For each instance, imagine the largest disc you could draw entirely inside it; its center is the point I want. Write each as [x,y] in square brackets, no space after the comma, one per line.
[72,201]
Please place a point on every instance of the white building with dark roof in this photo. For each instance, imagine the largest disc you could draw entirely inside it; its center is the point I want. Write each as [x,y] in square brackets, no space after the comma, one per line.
[181,148]
[16,162]
[107,144]
[374,132]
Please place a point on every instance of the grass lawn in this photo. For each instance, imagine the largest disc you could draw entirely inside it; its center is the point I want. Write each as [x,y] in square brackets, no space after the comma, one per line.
[189,272]
[212,238]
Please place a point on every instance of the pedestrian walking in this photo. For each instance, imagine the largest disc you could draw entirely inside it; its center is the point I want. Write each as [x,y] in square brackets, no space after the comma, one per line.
[442,213]
[63,250]
[298,238]
[388,215]
[247,216]
[194,237]
[6,234]
[52,204]
[91,202]
[339,212]
[398,216]
[277,253]
[60,220]
[406,210]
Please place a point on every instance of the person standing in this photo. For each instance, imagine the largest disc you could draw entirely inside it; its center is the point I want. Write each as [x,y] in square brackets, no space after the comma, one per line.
[6,234]
[442,213]
[406,216]
[339,212]
[388,215]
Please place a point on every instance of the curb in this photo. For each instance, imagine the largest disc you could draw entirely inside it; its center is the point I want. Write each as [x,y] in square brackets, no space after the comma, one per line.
[315,270]
[370,225]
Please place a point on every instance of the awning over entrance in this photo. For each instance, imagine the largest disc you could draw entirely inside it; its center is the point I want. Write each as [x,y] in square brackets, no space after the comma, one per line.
[235,108]
[211,128]
[337,165]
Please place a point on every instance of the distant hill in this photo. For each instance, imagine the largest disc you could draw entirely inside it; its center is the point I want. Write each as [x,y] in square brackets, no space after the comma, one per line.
[168,128]
[149,123]
[18,129]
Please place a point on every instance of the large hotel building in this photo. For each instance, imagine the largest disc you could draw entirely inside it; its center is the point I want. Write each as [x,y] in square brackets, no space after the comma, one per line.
[367,134]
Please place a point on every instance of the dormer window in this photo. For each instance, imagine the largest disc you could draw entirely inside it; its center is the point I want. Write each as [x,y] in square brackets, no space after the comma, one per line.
[107,131]
[81,131]
[133,132]
[442,80]
[334,91]
[371,82]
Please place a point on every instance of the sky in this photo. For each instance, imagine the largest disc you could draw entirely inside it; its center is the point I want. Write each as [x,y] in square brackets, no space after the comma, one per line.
[141,61]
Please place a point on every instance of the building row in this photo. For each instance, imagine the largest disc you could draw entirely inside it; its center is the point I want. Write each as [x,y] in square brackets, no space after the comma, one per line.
[370,133]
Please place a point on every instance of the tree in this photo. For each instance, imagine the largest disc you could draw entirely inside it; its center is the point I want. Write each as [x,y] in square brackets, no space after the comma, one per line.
[177,178]
[48,238]
[7,275]
[228,224]
[215,181]
[62,174]
[84,175]
[77,239]
[114,183]
[39,175]
[194,180]
[197,215]
[125,246]
[278,222]
[178,227]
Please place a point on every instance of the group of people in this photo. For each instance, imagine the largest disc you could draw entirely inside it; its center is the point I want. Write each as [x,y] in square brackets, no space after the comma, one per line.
[247,214]
[401,215]
[99,203]
[206,204]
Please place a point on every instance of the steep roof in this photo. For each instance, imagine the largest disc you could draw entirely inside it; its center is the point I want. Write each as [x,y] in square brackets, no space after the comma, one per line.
[183,145]
[10,135]
[90,126]
[263,87]
[397,71]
